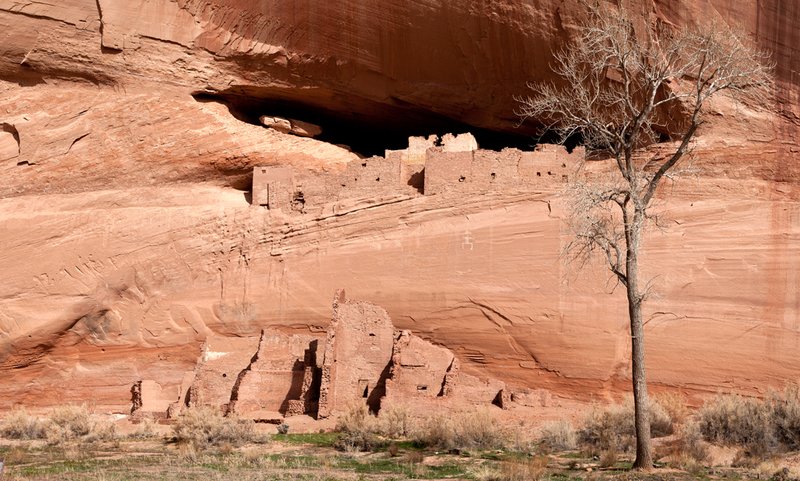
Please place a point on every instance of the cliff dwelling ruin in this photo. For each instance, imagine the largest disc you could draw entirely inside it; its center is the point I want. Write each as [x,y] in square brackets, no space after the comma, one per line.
[429,166]
[361,358]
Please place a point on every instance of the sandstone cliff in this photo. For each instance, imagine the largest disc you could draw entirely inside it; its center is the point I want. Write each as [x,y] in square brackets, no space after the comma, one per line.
[128,133]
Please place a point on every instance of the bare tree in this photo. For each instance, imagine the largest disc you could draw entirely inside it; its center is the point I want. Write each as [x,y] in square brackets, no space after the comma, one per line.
[622,90]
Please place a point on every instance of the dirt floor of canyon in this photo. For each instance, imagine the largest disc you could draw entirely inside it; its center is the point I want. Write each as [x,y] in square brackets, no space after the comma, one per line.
[312,457]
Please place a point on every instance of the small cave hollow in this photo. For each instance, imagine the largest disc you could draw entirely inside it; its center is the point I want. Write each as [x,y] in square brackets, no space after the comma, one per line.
[366,128]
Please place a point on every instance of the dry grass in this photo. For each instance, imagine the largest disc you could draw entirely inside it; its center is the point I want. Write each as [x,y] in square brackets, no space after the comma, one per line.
[531,469]
[690,442]
[62,424]
[478,429]
[395,422]
[558,436]
[609,457]
[759,426]
[20,425]
[612,428]
[68,423]
[734,420]
[201,427]
[785,414]
[144,430]
[360,430]
[527,469]
[687,450]
[674,404]
[357,418]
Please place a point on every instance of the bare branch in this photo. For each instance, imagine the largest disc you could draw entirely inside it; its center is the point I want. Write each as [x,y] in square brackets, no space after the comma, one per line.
[620,89]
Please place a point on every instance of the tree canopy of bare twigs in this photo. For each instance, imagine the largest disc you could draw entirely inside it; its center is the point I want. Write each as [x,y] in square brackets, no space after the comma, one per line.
[622,90]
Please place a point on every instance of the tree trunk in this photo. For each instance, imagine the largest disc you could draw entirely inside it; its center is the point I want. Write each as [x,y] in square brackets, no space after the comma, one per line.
[644,457]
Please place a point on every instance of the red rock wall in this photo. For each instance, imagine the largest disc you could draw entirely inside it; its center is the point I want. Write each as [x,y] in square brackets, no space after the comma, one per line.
[124,247]
[465,59]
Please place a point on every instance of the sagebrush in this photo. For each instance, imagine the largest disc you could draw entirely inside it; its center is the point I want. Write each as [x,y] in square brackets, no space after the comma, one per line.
[204,426]
[760,426]
[558,436]
[612,428]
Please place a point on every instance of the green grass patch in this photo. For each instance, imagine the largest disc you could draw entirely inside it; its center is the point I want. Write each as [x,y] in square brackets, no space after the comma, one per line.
[315,439]
[399,466]
[61,467]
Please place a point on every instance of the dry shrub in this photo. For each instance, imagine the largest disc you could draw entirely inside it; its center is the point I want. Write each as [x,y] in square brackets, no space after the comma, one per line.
[674,404]
[690,442]
[63,424]
[204,426]
[776,470]
[356,419]
[144,430]
[68,423]
[687,450]
[415,457]
[355,441]
[436,431]
[477,429]
[20,425]
[360,430]
[614,427]
[558,436]
[102,431]
[530,469]
[395,422]
[481,430]
[734,420]
[661,423]
[483,472]
[785,413]
[609,457]
[527,469]
[759,426]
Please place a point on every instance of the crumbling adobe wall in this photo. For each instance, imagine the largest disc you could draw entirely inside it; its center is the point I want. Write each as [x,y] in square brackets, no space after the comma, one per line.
[549,164]
[366,360]
[458,143]
[419,368]
[149,400]
[447,171]
[357,357]
[273,186]
[276,376]
[374,175]
[430,165]
[223,359]
[416,153]
[363,360]
[510,169]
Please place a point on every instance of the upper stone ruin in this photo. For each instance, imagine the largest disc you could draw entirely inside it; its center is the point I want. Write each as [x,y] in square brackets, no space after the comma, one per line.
[429,166]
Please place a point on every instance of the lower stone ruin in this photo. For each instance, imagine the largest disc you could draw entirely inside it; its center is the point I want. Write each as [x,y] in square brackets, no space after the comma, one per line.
[361,359]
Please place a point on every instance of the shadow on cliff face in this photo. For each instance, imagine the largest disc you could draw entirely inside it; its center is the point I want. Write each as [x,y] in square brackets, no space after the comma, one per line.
[367,128]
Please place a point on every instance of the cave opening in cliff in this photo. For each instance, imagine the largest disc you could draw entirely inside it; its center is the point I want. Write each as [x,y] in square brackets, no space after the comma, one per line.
[364,127]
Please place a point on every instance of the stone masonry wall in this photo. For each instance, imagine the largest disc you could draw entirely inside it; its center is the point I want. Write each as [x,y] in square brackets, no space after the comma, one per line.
[429,165]
[419,368]
[357,356]
[276,375]
[363,359]
[509,169]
